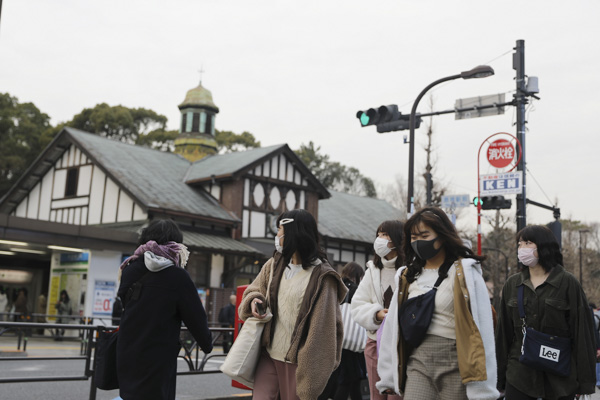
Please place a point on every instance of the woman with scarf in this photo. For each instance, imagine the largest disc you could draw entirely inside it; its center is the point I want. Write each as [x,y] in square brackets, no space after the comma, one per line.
[372,298]
[157,295]
[302,343]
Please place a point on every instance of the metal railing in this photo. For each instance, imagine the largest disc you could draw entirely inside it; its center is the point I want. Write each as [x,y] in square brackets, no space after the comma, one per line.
[194,358]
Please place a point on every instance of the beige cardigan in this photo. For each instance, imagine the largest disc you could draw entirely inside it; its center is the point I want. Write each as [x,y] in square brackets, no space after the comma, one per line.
[316,345]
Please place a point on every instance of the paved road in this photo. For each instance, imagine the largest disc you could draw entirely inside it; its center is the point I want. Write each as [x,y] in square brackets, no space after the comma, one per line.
[193,387]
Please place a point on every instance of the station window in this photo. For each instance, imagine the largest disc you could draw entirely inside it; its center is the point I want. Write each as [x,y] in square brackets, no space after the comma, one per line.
[71,185]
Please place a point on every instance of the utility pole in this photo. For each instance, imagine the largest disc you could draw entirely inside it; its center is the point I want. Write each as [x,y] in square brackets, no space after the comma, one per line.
[521,101]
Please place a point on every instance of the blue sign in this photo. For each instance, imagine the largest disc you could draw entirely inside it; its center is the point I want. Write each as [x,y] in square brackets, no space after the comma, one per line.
[500,184]
[455,201]
[74,258]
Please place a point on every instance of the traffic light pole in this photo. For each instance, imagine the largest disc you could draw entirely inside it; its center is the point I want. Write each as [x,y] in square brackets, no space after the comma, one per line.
[521,101]
[410,203]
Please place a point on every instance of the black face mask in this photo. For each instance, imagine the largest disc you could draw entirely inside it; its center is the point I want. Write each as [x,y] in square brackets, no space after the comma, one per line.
[425,249]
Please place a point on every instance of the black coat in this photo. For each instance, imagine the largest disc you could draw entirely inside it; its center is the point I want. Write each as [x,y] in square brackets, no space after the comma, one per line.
[149,333]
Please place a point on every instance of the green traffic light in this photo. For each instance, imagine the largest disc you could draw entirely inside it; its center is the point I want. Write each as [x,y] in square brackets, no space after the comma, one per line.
[477,200]
[364,119]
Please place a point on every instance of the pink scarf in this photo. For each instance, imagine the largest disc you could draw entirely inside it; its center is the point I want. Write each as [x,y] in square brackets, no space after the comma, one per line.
[169,250]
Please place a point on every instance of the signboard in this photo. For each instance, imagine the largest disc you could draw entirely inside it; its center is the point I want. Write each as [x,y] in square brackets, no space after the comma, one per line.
[501,183]
[104,295]
[455,201]
[474,102]
[501,153]
[74,258]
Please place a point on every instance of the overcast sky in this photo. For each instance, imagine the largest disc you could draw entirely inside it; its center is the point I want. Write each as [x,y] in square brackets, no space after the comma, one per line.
[296,71]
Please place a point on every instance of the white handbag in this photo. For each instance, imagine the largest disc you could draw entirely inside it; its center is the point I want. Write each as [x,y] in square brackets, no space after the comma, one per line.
[242,359]
[355,336]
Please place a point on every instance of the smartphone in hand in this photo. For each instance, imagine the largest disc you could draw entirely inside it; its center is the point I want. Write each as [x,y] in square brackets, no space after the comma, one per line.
[260,309]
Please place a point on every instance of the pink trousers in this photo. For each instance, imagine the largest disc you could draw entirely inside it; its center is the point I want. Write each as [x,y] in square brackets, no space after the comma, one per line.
[274,379]
[371,361]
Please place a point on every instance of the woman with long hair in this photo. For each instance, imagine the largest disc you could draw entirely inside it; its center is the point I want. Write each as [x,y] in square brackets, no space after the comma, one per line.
[554,303]
[372,299]
[456,358]
[302,343]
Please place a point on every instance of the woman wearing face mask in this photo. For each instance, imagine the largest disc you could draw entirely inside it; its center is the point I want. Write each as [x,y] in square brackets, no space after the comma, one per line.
[456,359]
[372,298]
[554,304]
[302,343]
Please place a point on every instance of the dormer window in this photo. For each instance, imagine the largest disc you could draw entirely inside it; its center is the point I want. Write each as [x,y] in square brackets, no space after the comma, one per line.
[72,179]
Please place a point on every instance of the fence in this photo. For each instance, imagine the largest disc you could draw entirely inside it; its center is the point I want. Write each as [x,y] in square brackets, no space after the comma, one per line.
[195,359]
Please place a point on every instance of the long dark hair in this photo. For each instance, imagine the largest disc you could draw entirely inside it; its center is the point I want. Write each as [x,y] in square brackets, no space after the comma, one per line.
[453,245]
[302,236]
[394,230]
[161,231]
[547,246]
[353,271]
[67,298]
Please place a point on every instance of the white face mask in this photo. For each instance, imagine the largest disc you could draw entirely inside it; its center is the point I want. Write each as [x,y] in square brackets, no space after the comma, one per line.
[527,257]
[278,247]
[381,247]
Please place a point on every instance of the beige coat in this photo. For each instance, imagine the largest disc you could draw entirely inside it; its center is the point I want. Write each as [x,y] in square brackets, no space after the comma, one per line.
[316,345]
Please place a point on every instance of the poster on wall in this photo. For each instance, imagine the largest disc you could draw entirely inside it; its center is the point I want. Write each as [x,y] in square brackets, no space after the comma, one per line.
[104,296]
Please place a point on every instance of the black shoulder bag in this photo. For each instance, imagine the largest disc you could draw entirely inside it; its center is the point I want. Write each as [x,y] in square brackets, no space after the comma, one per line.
[541,351]
[414,315]
[105,371]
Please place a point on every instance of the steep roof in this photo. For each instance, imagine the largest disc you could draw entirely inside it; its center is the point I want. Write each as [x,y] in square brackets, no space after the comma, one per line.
[153,178]
[235,164]
[348,217]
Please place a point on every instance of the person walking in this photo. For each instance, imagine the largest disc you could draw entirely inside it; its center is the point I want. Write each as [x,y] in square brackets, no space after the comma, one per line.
[3,304]
[352,368]
[157,295]
[303,340]
[456,358]
[63,308]
[554,303]
[372,299]
[227,320]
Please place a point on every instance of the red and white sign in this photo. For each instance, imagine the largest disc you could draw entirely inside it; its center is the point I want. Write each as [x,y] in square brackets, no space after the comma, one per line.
[501,153]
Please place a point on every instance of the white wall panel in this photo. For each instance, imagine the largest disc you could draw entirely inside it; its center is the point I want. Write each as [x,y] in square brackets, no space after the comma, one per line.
[245,223]
[60,180]
[74,202]
[265,169]
[34,202]
[46,196]
[125,208]
[290,172]
[258,224]
[282,165]
[84,215]
[22,209]
[246,193]
[111,197]
[77,220]
[217,267]
[96,196]
[53,216]
[297,177]
[215,191]
[274,165]
[138,213]
[83,183]
[65,158]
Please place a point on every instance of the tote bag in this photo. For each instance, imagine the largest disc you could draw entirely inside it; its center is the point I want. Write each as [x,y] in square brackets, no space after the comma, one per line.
[355,336]
[105,373]
[242,359]
[244,354]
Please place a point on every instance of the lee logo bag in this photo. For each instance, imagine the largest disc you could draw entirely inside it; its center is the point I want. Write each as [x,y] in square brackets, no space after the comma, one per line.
[543,352]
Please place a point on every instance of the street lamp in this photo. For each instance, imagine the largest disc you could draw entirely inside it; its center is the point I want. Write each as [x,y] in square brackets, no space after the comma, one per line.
[481,71]
[580,261]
